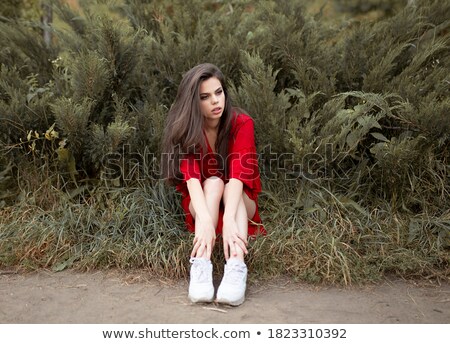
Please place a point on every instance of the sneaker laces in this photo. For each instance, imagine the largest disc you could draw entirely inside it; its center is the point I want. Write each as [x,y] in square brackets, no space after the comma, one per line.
[234,273]
[199,270]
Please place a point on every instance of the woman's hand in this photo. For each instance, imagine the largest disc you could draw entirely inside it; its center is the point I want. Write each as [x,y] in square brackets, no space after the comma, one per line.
[205,237]
[233,240]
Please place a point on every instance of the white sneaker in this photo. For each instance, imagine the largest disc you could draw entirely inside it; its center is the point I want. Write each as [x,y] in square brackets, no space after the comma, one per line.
[201,288]
[232,288]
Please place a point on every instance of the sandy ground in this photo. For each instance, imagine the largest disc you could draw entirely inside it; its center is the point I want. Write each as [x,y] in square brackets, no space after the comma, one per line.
[70,297]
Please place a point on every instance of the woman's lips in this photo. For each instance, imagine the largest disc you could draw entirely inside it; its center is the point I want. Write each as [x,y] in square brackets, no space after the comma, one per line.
[217,110]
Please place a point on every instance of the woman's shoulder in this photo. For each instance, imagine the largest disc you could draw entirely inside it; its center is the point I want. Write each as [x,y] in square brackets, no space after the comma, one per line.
[241,117]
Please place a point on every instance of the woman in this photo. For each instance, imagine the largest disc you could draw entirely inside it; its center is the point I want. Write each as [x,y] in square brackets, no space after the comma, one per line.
[211,158]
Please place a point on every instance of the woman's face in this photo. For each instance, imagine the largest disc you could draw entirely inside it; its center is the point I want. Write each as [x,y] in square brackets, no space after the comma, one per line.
[212,98]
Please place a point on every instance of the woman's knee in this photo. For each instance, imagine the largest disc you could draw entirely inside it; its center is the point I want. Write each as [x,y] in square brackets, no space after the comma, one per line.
[213,187]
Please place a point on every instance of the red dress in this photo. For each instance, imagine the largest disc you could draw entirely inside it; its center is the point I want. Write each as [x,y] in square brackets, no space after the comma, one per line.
[242,164]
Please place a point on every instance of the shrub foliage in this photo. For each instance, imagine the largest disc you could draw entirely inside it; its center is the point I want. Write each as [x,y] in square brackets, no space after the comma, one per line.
[352,124]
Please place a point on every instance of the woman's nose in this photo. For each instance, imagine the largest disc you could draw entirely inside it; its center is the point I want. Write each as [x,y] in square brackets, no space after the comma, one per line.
[214,99]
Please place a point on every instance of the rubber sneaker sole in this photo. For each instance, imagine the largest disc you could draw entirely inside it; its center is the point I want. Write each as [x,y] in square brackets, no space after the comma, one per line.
[235,303]
[202,298]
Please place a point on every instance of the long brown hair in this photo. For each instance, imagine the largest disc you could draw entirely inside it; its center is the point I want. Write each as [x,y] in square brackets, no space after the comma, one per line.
[183,133]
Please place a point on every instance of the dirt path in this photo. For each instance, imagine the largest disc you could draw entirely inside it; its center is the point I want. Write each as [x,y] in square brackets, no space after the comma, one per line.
[110,297]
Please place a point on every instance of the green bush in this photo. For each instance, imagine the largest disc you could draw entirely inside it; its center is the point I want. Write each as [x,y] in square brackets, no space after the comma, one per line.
[355,113]
[11,8]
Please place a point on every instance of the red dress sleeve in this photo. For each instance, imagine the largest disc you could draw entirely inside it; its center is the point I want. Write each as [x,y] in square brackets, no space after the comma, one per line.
[243,161]
[190,167]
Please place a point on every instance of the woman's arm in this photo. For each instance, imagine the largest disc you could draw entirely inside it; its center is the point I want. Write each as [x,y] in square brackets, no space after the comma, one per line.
[205,233]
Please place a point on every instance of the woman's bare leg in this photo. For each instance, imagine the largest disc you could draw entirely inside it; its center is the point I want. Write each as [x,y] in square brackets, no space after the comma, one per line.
[213,189]
[245,210]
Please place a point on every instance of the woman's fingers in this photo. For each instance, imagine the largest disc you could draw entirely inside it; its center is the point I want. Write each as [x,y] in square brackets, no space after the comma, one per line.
[242,237]
[230,247]
[201,251]
[202,248]
[225,249]
[227,243]
[208,251]
[195,249]
[233,251]
[241,244]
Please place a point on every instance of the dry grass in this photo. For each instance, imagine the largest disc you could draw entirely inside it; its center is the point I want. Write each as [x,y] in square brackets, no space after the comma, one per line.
[142,228]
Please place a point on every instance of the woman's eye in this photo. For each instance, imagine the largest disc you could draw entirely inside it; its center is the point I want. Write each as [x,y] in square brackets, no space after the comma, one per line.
[219,92]
[204,97]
